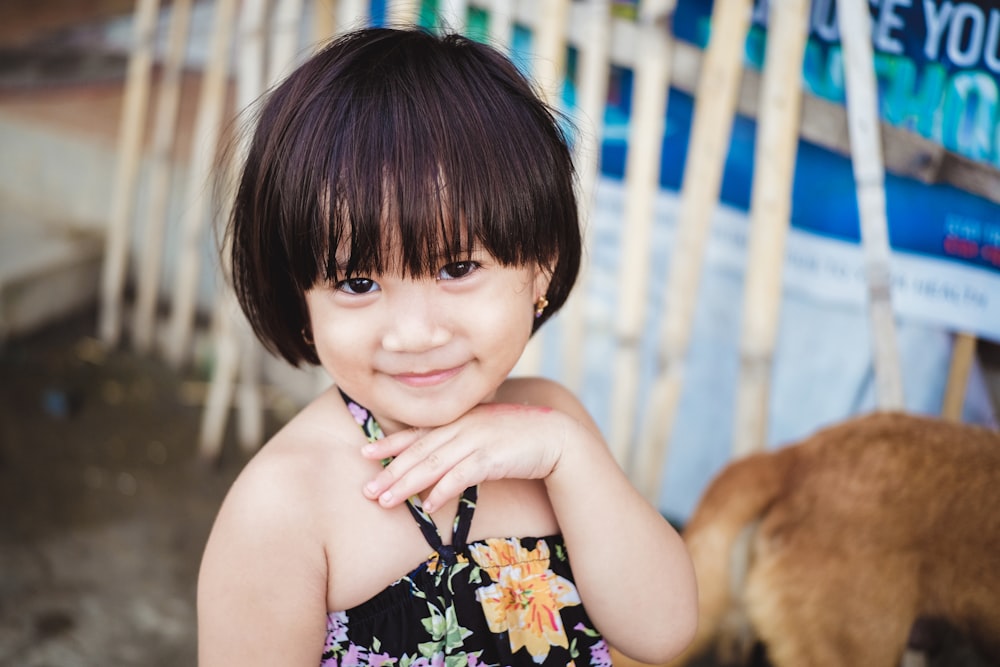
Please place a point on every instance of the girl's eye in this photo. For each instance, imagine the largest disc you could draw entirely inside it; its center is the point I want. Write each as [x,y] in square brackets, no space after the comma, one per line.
[457,270]
[357,285]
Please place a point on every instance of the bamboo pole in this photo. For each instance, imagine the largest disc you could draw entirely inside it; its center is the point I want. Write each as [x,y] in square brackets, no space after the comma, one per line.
[324,21]
[251,66]
[284,39]
[501,24]
[642,183]
[550,48]
[351,14]
[549,60]
[403,12]
[770,216]
[452,15]
[592,93]
[869,178]
[130,138]
[250,424]
[232,343]
[962,355]
[164,137]
[278,61]
[711,127]
[223,382]
[208,125]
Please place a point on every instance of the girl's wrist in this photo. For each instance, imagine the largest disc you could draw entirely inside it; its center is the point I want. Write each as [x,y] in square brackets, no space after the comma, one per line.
[576,444]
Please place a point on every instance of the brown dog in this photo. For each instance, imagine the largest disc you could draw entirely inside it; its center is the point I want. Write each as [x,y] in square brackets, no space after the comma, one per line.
[829,550]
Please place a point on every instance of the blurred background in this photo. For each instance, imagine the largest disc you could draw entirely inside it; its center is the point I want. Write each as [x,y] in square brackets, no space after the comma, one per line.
[130,395]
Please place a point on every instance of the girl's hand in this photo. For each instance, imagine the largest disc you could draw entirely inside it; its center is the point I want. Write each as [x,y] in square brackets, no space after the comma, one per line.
[491,441]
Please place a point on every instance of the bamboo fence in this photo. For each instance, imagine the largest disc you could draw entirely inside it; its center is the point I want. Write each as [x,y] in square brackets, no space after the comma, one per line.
[265,36]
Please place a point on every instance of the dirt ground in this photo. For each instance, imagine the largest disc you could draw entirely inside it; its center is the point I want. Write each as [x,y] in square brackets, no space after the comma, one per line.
[106,506]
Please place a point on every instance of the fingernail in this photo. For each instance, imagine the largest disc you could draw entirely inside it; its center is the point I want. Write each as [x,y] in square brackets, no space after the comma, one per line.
[368,449]
[371,489]
[386,497]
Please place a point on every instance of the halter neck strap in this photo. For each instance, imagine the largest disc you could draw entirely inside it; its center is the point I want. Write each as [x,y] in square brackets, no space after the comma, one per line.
[466,505]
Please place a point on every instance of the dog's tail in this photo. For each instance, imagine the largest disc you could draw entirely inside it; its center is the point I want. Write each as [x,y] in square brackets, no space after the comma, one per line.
[719,536]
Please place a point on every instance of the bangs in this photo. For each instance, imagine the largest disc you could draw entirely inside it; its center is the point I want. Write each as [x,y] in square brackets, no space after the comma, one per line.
[424,161]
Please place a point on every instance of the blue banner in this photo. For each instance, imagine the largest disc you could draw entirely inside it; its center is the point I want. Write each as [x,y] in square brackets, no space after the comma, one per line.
[938,68]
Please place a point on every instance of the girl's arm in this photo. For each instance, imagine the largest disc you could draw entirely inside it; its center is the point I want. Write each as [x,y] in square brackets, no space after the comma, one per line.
[262,585]
[630,566]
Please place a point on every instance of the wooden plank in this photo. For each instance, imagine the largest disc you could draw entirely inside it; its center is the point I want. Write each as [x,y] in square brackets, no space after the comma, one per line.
[130,139]
[161,168]
[869,178]
[770,217]
[208,124]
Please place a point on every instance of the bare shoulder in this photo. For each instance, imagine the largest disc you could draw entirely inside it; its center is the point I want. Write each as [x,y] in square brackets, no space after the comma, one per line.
[269,544]
[272,507]
[291,473]
[545,393]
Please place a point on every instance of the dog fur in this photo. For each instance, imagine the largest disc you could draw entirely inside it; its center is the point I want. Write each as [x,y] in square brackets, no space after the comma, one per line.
[849,537]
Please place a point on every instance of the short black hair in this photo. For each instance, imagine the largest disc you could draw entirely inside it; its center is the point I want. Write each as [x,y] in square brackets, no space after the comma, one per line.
[436,141]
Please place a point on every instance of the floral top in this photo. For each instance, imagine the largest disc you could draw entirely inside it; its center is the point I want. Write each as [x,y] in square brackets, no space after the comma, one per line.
[498,601]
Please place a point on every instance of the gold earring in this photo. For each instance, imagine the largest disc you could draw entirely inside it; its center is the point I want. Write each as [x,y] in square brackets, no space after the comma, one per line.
[540,306]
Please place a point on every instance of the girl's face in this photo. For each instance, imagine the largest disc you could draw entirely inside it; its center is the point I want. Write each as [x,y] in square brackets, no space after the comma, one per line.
[422,351]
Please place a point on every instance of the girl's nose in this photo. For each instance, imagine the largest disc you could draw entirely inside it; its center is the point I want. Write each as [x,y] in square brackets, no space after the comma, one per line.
[417,323]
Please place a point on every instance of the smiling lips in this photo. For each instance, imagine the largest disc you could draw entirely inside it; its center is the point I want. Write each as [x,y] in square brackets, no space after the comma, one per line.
[428,379]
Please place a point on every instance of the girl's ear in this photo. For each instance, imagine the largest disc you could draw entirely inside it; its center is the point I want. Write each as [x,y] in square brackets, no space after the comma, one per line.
[543,276]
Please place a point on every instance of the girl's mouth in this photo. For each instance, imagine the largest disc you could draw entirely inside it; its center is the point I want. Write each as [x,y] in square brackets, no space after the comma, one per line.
[428,378]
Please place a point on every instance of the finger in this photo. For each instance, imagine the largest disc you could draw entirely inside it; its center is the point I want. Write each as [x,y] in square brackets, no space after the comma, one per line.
[392,445]
[416,469]
[453,483]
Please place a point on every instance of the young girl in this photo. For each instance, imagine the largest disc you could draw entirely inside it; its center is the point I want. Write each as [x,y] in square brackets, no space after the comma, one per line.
[406,219]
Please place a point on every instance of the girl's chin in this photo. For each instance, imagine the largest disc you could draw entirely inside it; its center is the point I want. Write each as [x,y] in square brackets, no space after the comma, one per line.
[429,419]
